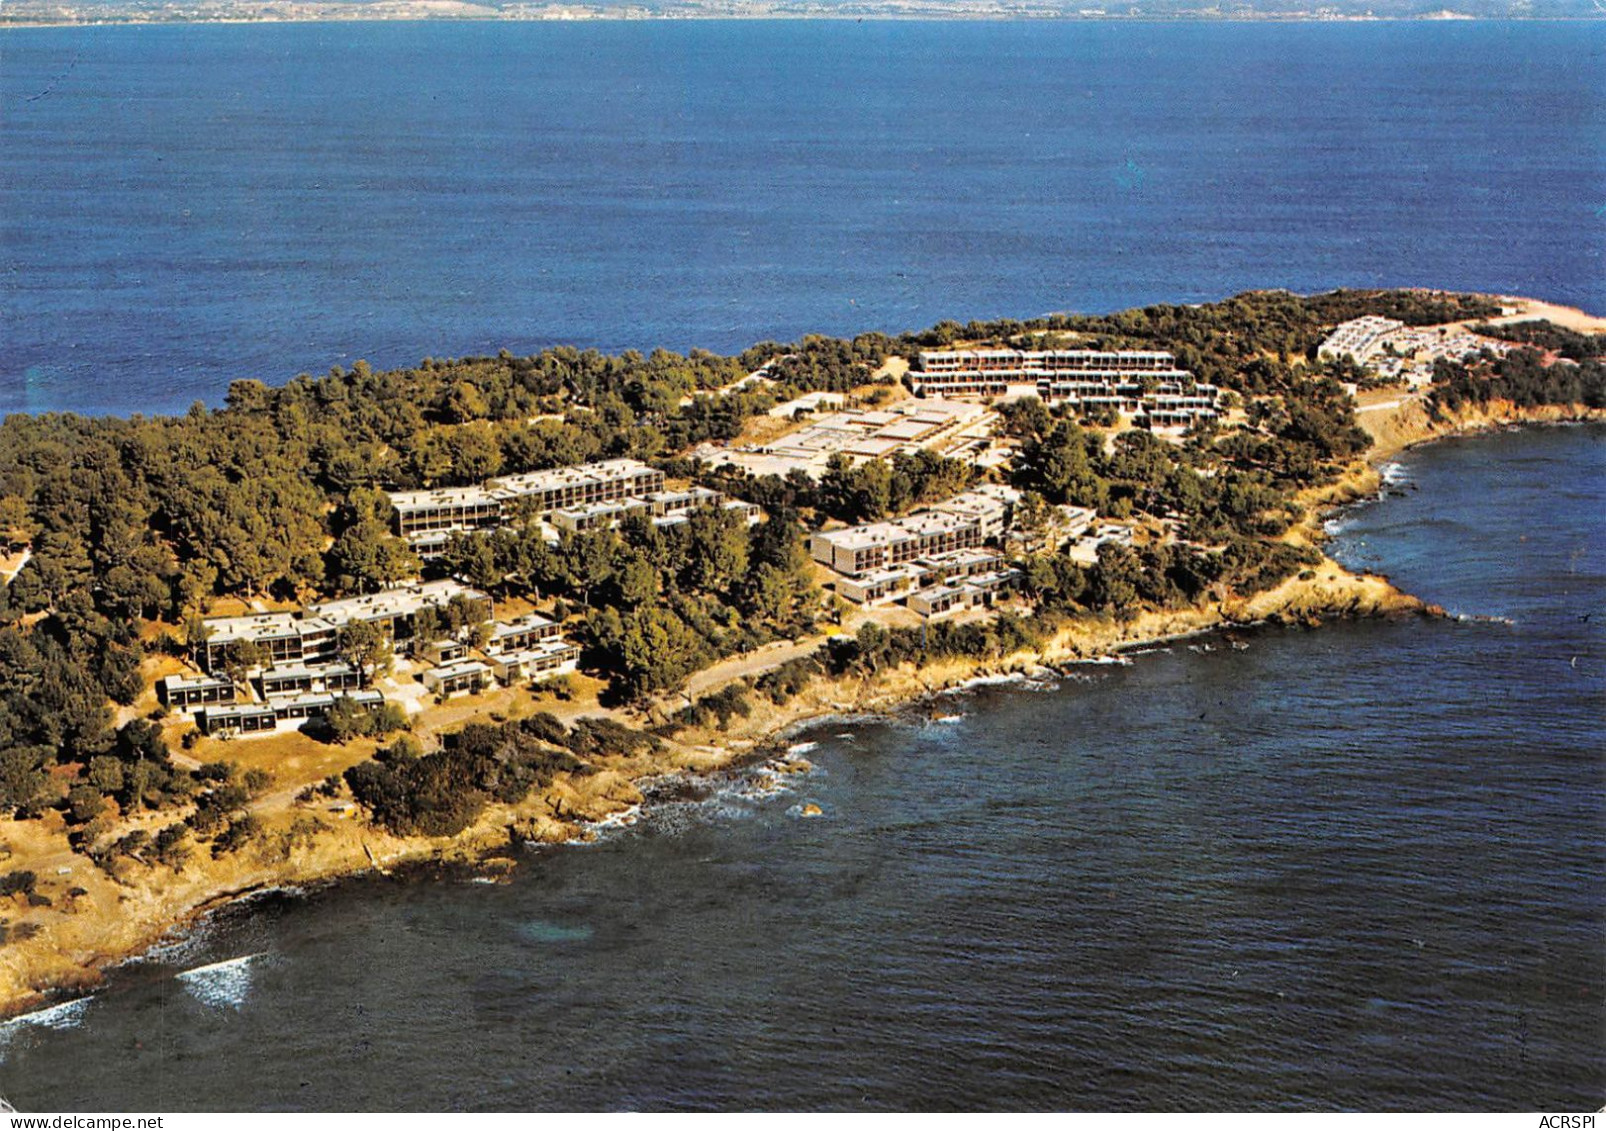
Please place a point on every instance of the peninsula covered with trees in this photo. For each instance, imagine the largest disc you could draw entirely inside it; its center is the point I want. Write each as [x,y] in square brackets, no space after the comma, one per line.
[130,544]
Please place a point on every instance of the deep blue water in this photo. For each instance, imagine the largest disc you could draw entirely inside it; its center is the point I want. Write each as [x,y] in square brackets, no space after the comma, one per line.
[182,206]
[1359,867]
[1362,867]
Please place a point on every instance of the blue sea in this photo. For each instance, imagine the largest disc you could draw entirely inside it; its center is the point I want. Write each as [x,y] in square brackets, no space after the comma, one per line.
[183,206]
[1356,868]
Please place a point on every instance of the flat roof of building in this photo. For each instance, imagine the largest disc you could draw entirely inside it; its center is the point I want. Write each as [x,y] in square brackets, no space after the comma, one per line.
[873,446]
[541,650]
[439,497]
[921,523]
[1042,355]
[522,624]
[304,671]
[972,556]
[530,482]
[240,710]
[194,682]
[402,601]
[261,626]
[859,433]
[461,667]
[910,428]
[681,495]
[910,571]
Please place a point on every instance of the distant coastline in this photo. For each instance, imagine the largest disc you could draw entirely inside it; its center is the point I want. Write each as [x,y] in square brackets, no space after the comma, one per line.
[461,11]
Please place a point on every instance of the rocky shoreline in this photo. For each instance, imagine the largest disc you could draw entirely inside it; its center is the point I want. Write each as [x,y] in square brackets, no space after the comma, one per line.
[72,959]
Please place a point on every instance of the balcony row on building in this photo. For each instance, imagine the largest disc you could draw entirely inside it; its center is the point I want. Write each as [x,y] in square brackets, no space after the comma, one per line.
[591,496]
[470,675]
[284,713]
[529,648]
[312,635]
[187,694]
[1144,384]
[981,514]
[426,519]
[932,561]
[540,492]
[1035,362]
[663,508]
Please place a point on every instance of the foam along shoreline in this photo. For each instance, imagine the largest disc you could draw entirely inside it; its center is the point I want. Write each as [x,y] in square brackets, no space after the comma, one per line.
[46,966]
[62,1015]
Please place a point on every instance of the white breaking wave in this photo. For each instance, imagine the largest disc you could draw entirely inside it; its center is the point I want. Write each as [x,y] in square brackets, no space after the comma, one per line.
[801,747]
[984,681]
[742,796]
[221,985]
[67,1015]
[594,832]
[183,944]
[620,820]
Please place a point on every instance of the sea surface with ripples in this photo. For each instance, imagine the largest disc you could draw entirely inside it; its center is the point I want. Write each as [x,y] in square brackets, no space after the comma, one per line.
[184,206]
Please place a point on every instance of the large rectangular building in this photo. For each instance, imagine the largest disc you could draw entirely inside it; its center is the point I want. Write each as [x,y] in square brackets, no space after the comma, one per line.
[998,372]
[601,482]
[545,660]
[470,676]
[445,509]
[308,679]
[262,718]
[311,636]
[881,545]
[521,634]
[393,610]
[425,517]
[1143,383]
[992,505]
[278,638]
[183,693]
